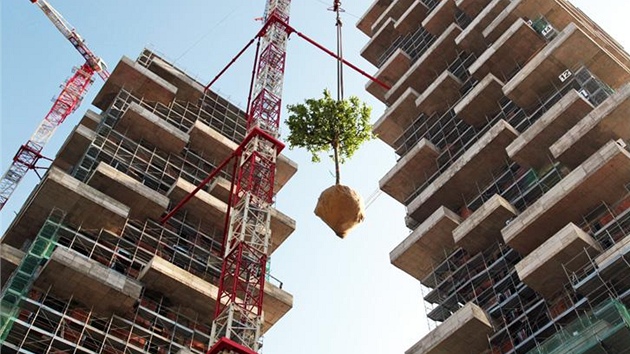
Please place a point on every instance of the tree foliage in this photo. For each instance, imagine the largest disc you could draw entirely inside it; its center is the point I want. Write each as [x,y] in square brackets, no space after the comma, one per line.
[326,124]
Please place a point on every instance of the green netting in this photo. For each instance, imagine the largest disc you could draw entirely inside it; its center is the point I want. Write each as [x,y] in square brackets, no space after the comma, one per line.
[20,282]
[587,330]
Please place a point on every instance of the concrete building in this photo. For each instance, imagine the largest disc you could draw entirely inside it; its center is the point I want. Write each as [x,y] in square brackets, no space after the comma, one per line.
[86,265]
[510,120]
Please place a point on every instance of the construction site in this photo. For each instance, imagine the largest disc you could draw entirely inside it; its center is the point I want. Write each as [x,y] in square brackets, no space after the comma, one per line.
[153,226]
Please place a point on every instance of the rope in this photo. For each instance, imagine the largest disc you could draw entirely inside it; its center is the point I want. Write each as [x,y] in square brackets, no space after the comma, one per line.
[339,24]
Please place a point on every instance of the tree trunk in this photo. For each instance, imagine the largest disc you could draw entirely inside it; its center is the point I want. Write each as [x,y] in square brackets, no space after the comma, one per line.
[336,156]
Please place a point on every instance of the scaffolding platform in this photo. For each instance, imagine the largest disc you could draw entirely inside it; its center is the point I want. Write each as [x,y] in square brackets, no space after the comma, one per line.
[136,79]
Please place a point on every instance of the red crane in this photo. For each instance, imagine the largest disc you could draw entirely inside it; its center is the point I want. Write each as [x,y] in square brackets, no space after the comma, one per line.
[67,102]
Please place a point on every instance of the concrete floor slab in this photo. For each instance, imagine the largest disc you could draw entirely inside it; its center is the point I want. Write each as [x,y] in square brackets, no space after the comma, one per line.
[458,182]
[285,169]
[483,227]
[609,121]
[435,60]
[481,102]
[466,331]
[91,119]
[528,9]
[10,258]
[531,148]
[391,71]
[136,79]
[138,123]
[427,245]
[472,39]
[144,202]
[440,95]
[571,49]
[440,18]
[600,179]
[544,270]
[74,147]
[211,144]
[509,52]
[397,118]
[396,9]
[72,275]
[84,205]
[373,12]
[411,171]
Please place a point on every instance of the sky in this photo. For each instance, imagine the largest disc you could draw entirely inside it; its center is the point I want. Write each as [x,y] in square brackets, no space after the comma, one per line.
[348,298]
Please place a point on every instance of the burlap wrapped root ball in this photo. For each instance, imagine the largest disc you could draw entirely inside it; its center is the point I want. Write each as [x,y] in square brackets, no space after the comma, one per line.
[341,208]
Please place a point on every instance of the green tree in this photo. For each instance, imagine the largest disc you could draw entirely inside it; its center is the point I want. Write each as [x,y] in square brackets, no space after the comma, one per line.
[325,124]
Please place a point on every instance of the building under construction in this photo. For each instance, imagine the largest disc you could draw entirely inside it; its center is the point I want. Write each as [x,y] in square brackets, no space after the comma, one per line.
[510,120]
[87,267]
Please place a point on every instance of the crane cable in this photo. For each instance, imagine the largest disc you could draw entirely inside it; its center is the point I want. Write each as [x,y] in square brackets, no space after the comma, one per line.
[338,10]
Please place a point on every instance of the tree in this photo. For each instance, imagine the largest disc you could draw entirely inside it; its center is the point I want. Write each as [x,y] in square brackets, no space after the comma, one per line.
[325,124]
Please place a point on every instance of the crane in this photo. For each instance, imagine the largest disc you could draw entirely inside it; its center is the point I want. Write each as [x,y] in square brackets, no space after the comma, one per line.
[68,101]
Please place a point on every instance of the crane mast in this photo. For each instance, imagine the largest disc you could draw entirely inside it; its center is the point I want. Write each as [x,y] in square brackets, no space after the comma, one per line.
[238,321]
[67,102]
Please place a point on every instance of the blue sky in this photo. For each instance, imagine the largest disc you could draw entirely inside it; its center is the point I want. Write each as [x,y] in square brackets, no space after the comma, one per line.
[347,296]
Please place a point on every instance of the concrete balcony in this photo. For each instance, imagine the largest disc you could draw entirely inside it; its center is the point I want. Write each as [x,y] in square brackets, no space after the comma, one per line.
[426,245]
[144,202]
[74,147]
[84,205]
[531,148]
[483,227]
[208,142]
[211,211]
[435,60]
[472,39]
[472,8]
[397,118]
[481,102]
[371,15]
[72,275]
[394,11]
[411,171]
[138,123]
[600,179]
[544,269]
[415,14]
[380,42]
[90,119]
[609,121]
[188,89]
[511,51]
[571,49]
[139,81]
[440,95]
[458,182]
[466,331]
[391,71]
[440,18]
[517,9]
[191,292]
